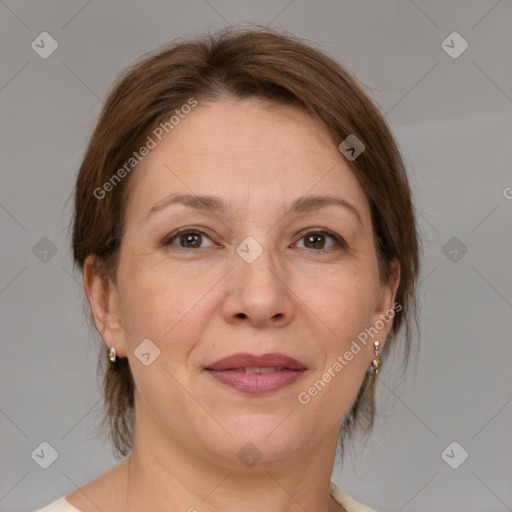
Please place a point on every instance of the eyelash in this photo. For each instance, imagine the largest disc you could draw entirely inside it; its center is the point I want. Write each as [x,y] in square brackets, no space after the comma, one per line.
[338,239]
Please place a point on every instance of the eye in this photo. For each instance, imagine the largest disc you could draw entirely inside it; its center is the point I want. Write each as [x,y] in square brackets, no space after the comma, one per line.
[316,239]
[187,238]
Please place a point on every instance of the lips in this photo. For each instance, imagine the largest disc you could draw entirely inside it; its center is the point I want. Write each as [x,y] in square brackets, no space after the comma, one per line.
[242,361]
[257,375]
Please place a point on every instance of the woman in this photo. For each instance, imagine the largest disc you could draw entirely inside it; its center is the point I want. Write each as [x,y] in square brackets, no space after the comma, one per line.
[244,225]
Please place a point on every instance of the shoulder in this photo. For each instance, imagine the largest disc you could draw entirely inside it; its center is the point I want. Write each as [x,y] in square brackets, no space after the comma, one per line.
[60,505]
[99,494]
[349,503]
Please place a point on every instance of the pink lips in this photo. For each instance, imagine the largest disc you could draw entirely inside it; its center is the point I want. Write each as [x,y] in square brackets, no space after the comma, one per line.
[230,371]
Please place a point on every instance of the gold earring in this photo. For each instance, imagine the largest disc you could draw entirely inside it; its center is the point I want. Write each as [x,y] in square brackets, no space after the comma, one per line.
[376,363]
[112,354]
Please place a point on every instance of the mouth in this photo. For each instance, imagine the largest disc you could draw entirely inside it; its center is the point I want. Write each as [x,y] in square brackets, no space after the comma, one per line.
[257,375]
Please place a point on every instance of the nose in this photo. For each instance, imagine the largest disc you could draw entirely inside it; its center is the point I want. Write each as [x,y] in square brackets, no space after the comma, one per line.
[259,292]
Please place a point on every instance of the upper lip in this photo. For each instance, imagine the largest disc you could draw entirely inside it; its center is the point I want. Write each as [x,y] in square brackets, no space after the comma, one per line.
[246,360]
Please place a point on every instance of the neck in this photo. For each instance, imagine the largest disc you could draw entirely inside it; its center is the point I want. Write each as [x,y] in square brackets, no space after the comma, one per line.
[167,474]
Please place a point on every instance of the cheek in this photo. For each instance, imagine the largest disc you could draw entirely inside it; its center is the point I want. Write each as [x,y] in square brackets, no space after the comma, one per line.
[150,304]
[160,309]
[347,301]
[345,306]
[165,307]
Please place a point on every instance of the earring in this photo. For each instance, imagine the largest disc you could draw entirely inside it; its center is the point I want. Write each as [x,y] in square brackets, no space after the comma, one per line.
[112,354]
[376,363]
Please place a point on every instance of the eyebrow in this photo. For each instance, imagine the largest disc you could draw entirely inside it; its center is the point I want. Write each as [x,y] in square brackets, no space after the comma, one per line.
[217,204]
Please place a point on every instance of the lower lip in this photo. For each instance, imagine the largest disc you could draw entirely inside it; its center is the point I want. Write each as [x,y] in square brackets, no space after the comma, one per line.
[257,383]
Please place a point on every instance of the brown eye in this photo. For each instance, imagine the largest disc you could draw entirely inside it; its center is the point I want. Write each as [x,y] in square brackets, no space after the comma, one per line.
[194,239]
[187,238]
[316,240]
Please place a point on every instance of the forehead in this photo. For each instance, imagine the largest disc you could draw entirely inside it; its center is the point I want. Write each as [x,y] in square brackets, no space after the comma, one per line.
[253,151]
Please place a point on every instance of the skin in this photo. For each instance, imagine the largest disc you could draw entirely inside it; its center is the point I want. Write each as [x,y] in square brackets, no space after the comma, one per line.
[201,302]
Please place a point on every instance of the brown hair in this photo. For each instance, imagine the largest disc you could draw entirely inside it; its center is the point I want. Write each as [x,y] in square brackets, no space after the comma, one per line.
[242,63]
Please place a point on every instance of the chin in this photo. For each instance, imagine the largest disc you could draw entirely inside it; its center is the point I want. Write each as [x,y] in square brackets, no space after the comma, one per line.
[267,440]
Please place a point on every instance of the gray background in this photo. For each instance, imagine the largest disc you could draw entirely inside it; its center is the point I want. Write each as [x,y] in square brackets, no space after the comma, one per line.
[452,119]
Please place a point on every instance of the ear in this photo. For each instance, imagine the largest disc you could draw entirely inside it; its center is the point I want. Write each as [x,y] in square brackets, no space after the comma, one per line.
[384,311]
[102,295]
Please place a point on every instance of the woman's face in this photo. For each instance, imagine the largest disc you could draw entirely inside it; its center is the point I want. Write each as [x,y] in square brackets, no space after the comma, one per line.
[256,276]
